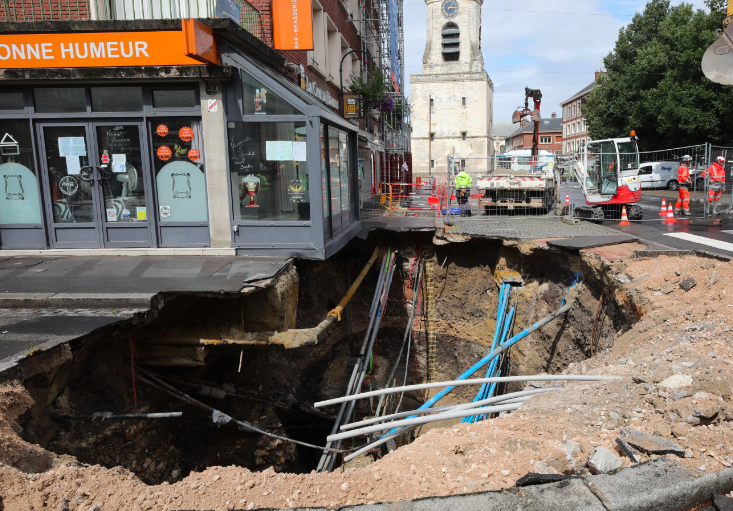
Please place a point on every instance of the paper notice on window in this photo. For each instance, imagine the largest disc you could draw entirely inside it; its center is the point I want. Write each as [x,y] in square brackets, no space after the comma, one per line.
[119,163]
[73,165]
[299,151]
[72,146]
[279,150]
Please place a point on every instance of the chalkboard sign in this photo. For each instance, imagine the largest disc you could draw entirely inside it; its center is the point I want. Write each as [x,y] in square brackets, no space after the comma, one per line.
[244,148]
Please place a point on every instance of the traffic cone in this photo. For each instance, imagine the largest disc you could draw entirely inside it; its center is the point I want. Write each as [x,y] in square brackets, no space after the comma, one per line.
[664,208]
[567,199]
[624,218]
[670,216]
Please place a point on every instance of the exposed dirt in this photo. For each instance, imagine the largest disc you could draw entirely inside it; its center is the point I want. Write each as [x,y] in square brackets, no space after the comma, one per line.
[647,329]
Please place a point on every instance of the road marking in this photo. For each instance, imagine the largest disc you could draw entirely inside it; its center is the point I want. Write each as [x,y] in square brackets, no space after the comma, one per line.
[701,240]
[727,232]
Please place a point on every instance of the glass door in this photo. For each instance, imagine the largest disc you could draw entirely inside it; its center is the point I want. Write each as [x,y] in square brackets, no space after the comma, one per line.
[96,177]
[72,201]
[123,182]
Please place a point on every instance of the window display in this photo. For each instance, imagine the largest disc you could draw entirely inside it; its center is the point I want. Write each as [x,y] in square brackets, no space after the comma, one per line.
[269,170]
[19,198]
[179,171]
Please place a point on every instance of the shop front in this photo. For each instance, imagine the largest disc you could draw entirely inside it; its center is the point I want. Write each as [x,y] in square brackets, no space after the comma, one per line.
[226,155]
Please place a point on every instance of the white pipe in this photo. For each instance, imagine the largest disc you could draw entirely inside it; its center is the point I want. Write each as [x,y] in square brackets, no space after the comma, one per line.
[506,398]
[477,381]
[424,420]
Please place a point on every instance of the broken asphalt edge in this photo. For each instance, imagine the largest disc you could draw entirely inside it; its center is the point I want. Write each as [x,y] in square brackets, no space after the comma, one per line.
[655,485]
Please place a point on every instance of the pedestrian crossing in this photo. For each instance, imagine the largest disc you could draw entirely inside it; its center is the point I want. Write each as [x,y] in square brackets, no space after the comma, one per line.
[702,240]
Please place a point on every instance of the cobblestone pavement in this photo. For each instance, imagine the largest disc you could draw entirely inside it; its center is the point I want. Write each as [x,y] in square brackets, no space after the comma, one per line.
[526,228]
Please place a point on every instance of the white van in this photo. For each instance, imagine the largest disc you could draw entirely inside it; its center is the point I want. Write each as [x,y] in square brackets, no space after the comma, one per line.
[661,174]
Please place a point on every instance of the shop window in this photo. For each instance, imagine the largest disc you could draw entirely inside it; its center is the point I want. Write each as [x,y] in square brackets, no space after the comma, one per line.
[19,199]
[344,166]
[259,100]
[269,171]
[179,170]
[60,100]
[334,161]
[324,183]
[11,101]
[174,98]
[117,99]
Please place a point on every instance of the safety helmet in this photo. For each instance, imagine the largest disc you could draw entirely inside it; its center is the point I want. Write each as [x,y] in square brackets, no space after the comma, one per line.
[686,157]
[720,158]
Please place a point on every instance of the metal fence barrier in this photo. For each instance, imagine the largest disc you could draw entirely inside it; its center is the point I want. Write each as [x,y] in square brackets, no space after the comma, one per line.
[425,198]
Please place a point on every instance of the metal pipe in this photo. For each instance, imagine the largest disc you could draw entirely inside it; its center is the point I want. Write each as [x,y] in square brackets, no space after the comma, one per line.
[525,394]
[350,293]
[458,383]
[355,371]
[111,416]
[378,321]
[494,353]
[425,420]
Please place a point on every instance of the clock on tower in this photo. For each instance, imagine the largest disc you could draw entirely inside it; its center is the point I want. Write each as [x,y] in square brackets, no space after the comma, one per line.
[449,9]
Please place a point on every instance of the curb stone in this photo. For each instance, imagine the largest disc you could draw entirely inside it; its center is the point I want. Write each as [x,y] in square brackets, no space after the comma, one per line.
[653,486]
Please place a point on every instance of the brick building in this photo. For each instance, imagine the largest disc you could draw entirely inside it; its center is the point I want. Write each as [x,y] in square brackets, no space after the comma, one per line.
[574,128]
[550,137]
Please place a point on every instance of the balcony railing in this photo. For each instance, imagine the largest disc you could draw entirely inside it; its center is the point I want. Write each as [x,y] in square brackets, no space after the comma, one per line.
[66,10]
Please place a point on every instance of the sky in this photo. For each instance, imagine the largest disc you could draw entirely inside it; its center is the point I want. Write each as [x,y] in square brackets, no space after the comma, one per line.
[556,49]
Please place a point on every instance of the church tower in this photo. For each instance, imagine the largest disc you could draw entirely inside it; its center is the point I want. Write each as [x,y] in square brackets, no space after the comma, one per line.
[452,101]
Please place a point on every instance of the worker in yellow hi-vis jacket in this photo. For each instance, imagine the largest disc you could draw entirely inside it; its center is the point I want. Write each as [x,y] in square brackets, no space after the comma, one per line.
[462,183]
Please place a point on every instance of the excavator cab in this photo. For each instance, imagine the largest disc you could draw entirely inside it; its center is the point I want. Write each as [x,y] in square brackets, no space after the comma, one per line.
[606,161]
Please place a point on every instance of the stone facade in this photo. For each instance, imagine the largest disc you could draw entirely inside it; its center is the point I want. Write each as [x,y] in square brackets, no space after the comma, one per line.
[461,113]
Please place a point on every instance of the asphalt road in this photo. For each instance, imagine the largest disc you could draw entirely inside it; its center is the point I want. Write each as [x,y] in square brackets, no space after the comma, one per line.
[680,235]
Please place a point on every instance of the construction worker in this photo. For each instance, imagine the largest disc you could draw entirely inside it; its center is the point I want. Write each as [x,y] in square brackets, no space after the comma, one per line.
[716,172]
[683,180]
[462,183]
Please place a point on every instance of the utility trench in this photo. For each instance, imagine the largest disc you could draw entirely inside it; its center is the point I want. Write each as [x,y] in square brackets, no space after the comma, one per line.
[193,344]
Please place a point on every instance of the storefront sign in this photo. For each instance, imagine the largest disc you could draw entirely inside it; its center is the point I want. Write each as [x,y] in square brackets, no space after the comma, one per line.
[68,185]
[95,49]
[200,42]
[353,106]
[321,94]
[213,105]
[162,130]
[292,24]
[193,155]
[296,190]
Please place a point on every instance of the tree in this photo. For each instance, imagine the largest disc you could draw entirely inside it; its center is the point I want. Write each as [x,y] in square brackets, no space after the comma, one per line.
[655,85]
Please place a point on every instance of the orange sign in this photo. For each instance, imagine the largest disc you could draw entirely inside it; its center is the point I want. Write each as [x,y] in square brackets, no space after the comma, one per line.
[162,130]
[94,49]
[164,153]
[292,24]
[193,155]
[186,134]
[200,41]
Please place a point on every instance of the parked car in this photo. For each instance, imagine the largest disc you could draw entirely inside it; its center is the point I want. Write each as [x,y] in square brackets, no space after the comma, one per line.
[663,174]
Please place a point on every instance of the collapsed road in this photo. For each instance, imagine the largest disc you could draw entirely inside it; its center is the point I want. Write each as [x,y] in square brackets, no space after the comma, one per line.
[657,324]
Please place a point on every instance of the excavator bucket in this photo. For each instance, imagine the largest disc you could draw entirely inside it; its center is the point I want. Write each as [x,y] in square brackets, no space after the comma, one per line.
[717,63]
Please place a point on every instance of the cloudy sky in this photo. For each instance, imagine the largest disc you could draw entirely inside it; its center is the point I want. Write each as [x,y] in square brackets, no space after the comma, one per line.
[553,45]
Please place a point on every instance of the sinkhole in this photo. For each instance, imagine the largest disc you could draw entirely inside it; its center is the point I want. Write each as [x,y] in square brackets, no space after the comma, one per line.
[191,345]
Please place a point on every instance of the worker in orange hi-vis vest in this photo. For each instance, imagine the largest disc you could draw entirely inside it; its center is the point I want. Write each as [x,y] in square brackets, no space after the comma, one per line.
[683,180]
[716,172]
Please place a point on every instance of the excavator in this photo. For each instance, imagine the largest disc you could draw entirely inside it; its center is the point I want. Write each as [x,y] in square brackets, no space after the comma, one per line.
[717,63]
[608,174]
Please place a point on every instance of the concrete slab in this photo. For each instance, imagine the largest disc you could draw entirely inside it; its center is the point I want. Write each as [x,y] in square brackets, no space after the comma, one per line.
[21,334]
[580,243]
[133,275]
[525,228]
[400,224]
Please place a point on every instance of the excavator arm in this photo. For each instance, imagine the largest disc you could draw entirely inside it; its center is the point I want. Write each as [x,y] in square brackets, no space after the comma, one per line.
[717,63]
